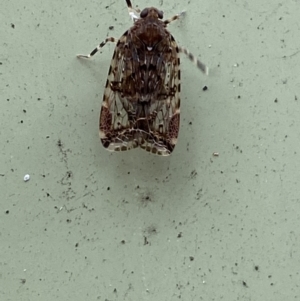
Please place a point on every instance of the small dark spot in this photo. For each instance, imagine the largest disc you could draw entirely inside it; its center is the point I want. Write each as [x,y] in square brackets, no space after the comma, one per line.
[256,268]
[179,235]
[115,290]
[204,88]
[39,99]
[145,199]
[111,27]
[24,111]
[12,25]
[239,96]
[146,242]
[48,194]
[151,230]
[223,16]
[23,281]
[276,100]
[123,242]
[108,188]
[59,143]
[190,123]
[76,245]
[7,212]
[193,174]
[68,220]
[245,284]
[21,121]
[191,258]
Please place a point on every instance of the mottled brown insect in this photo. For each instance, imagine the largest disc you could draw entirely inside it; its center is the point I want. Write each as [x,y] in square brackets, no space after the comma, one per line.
[141,102]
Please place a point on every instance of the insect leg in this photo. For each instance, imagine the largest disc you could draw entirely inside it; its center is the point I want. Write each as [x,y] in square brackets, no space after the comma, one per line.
[196,61]
[111,39]
[176,17]
[133,13]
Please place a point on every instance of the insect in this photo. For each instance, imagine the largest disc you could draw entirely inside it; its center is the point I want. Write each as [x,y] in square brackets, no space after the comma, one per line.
[141,101]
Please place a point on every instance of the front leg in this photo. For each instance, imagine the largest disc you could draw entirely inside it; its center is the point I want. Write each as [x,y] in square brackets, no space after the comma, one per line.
[176,17]
[133,13]
[111,39]
[196,61]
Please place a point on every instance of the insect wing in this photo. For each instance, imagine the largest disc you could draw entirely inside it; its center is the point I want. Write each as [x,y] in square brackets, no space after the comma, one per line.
[164,127]
[114,125]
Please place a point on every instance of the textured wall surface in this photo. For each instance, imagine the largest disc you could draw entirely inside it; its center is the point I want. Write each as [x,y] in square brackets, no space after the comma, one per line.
[94,225]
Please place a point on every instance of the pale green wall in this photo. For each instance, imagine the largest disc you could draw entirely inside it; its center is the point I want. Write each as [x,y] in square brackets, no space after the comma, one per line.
[191,226]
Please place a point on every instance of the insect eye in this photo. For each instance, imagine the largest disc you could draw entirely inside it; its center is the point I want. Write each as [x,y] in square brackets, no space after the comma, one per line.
[144,13]
[160,14]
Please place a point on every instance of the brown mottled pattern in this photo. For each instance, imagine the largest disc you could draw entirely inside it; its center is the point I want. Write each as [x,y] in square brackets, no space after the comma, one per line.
[174,126]
[141,103]
[142,93]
